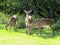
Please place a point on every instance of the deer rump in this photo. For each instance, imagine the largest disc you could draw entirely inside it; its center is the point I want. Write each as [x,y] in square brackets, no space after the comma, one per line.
[13,20]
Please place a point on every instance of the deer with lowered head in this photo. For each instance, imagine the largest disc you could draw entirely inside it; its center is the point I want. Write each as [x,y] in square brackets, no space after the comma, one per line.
[13,20]
[28,18]
[38,23]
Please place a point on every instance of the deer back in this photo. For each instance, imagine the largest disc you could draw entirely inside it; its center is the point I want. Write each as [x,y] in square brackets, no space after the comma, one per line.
[42,22]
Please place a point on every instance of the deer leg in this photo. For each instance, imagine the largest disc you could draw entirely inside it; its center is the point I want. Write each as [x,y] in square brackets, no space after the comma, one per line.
[15,26]
[26,29]
[40,31]
[9,23]
[53,31]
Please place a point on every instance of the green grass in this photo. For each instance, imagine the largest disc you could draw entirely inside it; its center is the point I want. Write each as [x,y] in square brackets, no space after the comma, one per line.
[11,37]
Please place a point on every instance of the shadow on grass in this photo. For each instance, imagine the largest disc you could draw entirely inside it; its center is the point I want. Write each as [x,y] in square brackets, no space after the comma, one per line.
[45,33]
[21,30]
[57,31]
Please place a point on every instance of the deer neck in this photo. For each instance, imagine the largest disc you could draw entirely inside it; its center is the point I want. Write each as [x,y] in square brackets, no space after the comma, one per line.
[27,16]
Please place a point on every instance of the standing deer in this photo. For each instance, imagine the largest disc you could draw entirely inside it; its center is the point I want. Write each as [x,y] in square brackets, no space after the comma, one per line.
[40,23]
[28,18]
[13,20]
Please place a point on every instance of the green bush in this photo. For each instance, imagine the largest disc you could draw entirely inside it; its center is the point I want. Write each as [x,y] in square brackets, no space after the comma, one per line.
[4,18]
[57,25]
[21,21]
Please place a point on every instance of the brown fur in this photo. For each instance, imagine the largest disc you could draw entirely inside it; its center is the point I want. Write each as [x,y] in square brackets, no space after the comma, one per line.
[28,21]
[40,23]
[13,20]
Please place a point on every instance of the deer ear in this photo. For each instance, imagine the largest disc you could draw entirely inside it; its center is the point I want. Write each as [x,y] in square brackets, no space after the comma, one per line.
[25,11]
[29,11]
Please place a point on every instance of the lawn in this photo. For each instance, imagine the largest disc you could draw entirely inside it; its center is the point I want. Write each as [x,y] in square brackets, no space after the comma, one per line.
[11,37]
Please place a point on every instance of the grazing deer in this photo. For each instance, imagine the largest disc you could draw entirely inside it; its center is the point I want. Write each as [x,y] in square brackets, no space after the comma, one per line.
[40,23]
[13,20]
[28,18]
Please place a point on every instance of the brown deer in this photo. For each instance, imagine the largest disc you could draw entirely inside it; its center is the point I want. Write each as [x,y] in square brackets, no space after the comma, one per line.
[40,23]
[28,18]
[13,20]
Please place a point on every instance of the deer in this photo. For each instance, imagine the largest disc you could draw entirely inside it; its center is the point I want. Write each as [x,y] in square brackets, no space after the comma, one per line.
[28,18]
[39,23]
[13,20]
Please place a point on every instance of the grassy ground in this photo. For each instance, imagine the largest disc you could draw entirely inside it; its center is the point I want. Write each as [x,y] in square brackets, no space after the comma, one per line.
[11,37]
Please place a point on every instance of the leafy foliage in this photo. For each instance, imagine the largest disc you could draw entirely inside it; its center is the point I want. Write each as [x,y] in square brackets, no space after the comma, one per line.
[42,8]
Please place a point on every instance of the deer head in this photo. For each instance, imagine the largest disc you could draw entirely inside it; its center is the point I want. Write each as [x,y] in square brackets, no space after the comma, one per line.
[27,12]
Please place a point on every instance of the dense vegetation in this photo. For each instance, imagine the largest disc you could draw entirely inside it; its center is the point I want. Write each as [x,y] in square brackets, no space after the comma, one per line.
[42,8]
[47,7]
